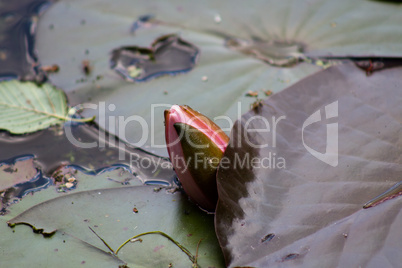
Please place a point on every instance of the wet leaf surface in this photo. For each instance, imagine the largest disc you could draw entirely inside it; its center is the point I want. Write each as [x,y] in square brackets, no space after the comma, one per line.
[282,54]
[221,76]
[313,211]
[111,216]
[268,32]
[168,55]
[60,251]
[93,199]
[78,36]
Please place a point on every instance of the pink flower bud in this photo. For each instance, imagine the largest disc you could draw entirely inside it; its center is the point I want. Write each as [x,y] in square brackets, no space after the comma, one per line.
[195,145]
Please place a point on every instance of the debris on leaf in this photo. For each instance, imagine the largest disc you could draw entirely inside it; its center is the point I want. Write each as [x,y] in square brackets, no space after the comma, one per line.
[392,192]
[256,105]
[144,21]
[86,67]
[50,68]
[251,93]
[268,92]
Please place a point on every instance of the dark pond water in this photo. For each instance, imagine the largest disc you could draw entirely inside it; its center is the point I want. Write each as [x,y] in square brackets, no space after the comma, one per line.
[18,20]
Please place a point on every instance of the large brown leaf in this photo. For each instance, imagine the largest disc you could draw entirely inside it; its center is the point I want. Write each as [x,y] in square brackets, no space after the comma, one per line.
[310,213]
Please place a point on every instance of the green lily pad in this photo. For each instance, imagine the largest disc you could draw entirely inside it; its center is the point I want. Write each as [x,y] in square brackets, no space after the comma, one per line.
[120,213]
[298,201]
[220,75]
[217,86]
[114,203]
[61,250]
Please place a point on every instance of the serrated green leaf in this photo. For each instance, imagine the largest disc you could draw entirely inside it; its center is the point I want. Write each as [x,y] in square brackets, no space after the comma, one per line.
[26,107]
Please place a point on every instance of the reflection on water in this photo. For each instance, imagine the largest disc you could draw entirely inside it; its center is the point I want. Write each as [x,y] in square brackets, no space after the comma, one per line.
[48,157]
[19,177]
[18,21]
[52,148]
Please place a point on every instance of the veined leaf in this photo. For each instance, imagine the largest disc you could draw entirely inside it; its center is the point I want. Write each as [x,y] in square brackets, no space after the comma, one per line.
[26,107]
[236,43]
[293,209]
[117,214]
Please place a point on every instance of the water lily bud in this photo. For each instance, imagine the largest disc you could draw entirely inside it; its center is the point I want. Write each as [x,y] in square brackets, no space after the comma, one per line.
[195,145]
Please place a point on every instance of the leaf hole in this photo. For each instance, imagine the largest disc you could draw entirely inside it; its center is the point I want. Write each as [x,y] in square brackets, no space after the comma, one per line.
[267,238]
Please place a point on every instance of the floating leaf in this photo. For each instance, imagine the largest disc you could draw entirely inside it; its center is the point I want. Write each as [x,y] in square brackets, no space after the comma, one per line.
[61,250]
[280,33]
[116,214]
[26,107]
[107,201]
[309,212]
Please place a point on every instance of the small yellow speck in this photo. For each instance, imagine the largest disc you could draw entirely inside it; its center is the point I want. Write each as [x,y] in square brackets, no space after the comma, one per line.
[134,71]
[69,184]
